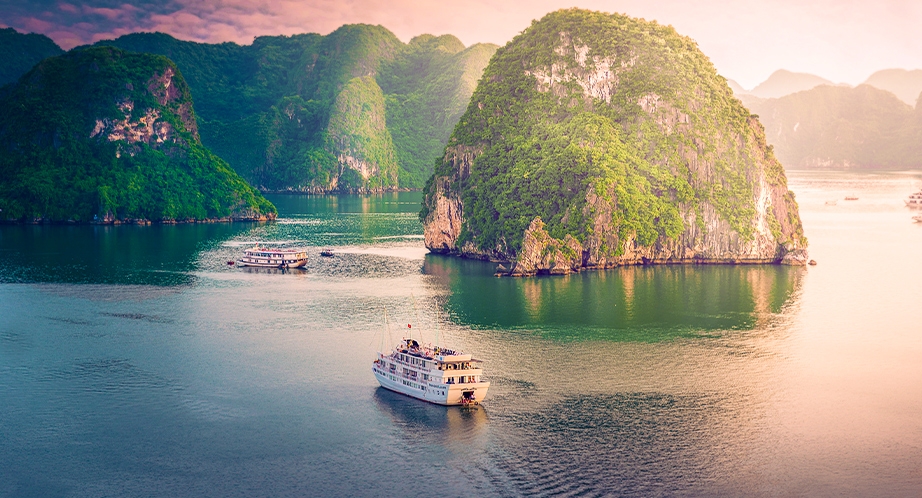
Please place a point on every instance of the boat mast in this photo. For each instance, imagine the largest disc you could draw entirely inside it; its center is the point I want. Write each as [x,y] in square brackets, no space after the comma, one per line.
[387,327]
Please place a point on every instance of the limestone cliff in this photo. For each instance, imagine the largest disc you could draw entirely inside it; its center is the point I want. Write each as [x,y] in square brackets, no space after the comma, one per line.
[106,136]
[358,137]
[597,140]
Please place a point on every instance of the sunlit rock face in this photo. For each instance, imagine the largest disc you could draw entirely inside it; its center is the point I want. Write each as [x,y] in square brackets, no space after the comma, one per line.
[597,140]
[149,125]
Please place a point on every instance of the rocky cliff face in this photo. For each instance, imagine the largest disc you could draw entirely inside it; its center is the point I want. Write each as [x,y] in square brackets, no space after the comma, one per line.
[106,136]
[598,140]
[150,125]
[283,110]
[359,139]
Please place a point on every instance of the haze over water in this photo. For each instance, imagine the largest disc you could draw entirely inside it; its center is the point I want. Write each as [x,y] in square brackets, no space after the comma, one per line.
[135,362]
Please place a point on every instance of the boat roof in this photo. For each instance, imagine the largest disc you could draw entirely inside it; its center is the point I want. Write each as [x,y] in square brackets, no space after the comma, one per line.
[436,353]
[267,249]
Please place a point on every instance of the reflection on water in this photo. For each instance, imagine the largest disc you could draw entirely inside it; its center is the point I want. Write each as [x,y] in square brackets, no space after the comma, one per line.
[389,202]
[143,255]
[639,381]
[645,303]
[298,271]
[457,428]
[338,220]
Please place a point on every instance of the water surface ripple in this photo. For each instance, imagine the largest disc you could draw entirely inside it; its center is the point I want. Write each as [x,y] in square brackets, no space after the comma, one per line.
[135,362]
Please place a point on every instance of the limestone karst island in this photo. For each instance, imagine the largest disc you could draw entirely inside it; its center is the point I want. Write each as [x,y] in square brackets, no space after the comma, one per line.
[597,140]
[592,140]
[109,136]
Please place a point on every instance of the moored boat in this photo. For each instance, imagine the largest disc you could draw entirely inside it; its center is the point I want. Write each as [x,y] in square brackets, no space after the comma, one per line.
[915,200]
[433,374]
[264,257]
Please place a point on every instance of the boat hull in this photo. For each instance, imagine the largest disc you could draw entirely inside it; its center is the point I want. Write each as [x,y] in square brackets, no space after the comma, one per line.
[440,394]
[297,264]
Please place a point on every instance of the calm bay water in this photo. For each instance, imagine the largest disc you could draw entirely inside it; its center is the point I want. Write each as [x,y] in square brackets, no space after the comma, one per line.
[135,362]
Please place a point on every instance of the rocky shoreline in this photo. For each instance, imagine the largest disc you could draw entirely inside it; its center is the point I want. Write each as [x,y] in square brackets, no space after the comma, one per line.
[566,159]
[140,221]
[337,191]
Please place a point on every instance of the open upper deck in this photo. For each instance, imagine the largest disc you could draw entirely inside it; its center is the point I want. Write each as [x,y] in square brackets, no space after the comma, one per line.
[270,253]
[443,358]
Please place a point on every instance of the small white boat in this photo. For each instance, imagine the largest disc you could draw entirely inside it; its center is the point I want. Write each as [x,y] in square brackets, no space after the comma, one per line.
[432,374]
[264,257]
[914,201]
[831,203]
[917,218]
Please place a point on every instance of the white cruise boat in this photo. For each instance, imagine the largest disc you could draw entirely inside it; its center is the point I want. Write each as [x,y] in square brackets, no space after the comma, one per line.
[264,257]
[915,200]
[433,374]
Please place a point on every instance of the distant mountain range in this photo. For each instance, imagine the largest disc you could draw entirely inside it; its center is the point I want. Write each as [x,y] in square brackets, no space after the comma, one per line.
[783,82]
[19,52]
[812,123]
[906,85]
[841,127]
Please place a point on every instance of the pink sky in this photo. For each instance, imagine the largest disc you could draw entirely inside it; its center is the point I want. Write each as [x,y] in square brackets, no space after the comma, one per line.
[844,41]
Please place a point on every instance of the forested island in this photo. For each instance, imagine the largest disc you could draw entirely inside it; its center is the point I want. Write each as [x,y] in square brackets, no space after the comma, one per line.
[596,140]
[356,110]
[107,136]
[353,111]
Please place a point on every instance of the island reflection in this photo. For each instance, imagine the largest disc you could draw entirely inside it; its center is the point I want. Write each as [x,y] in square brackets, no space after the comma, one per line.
[162,255]
[636,303]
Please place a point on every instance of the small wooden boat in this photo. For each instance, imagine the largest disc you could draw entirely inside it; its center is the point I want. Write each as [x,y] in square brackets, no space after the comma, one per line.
[327,252]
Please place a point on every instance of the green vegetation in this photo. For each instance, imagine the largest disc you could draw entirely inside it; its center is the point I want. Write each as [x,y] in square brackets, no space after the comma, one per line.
[357,131]
[585,101]
[19,52]
[62,158]
[428,86]
[269,108]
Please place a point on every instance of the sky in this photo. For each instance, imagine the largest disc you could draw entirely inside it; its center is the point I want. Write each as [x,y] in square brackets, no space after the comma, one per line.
[844,41]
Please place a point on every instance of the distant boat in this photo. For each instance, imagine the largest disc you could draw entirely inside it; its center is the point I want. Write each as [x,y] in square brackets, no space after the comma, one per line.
[914,201]
[851,198]
[917,218]
[831,203]
[327,252]
[264,257]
